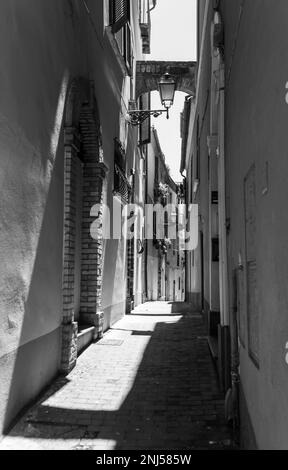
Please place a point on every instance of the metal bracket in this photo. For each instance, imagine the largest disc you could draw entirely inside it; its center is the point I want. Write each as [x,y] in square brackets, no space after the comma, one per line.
[137,117]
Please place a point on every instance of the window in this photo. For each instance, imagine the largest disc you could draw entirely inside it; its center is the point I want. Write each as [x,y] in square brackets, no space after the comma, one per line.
[154,226]
[120,23]
[156,179]
[166,224]
[215,250]
[119,14]
[214,197]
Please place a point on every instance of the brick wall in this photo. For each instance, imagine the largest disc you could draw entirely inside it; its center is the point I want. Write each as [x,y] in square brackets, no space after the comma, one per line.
[82,140]
[91,313]
[69,326]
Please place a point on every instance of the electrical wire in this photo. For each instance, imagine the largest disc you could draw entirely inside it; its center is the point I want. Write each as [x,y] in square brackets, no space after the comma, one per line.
[241,9]
[93,24]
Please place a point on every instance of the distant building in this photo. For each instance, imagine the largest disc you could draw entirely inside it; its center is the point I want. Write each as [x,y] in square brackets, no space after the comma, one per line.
[165,260]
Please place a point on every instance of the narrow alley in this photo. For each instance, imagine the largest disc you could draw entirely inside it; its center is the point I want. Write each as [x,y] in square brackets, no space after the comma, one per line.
[143,225]
[150,383]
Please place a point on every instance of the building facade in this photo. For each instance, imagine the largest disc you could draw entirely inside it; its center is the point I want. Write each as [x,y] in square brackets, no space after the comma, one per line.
[67,152]
[165,259]
[235,161]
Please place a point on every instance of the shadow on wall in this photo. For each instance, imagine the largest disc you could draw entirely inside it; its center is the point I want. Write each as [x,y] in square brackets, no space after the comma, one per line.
[36,362]
[174,403]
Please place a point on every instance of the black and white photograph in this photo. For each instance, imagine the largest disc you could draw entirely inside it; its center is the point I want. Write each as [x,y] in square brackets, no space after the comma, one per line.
[143,228]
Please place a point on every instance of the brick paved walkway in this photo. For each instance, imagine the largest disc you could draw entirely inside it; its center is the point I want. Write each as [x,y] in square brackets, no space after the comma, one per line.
[149,384]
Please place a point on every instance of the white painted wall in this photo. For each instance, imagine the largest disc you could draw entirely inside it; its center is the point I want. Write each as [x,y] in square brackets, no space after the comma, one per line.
[43,46]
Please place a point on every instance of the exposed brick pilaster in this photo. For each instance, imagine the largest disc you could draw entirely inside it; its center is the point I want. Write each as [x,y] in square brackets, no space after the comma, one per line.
[69,327]
[69,347]
[92,250]
[82,140]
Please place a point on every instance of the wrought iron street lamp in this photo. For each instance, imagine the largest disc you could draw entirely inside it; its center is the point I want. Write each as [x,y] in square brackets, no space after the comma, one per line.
[167,88]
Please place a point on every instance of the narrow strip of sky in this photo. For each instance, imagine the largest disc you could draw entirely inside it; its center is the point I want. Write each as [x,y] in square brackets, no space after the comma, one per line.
[173,39]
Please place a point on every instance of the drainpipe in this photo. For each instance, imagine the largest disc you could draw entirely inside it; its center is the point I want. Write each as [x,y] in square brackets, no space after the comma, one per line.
[224,327]
[232,411]
[224,297]
[153,6]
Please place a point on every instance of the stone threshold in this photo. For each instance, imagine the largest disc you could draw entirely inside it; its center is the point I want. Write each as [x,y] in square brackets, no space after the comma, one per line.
[85,337]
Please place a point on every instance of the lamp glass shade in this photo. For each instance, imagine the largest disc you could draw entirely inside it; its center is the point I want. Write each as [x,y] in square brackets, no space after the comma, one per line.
[167,87]
[167,103]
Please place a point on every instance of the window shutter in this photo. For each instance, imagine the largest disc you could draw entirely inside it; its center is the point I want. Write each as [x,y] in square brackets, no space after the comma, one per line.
[119,14]
[121,184]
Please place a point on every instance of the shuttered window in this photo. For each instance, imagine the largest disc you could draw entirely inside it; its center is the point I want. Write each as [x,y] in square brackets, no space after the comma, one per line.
[119,14]
[121,185]
[215,250]
[120,24]
[127,46]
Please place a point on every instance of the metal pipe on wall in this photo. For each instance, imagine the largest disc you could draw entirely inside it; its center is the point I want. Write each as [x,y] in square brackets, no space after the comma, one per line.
[224,295]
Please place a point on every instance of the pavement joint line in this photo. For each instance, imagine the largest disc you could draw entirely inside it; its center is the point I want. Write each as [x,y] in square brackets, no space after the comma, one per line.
[57,424]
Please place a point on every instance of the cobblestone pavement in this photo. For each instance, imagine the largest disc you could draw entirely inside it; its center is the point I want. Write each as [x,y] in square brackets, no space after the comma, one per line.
[148,384]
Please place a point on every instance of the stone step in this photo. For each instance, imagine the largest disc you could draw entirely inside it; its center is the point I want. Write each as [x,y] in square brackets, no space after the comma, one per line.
[85,337]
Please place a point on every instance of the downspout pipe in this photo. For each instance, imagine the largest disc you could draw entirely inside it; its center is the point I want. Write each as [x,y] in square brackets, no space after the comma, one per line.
[217,39]
[222,200]
[153,6]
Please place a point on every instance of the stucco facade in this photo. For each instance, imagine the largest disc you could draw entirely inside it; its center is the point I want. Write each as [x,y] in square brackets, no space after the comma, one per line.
[63,78]
[165,273]
[256,138]
[241,104]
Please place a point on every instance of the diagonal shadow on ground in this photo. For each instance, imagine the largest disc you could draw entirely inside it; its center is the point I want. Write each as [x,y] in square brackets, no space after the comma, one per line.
[173,401]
